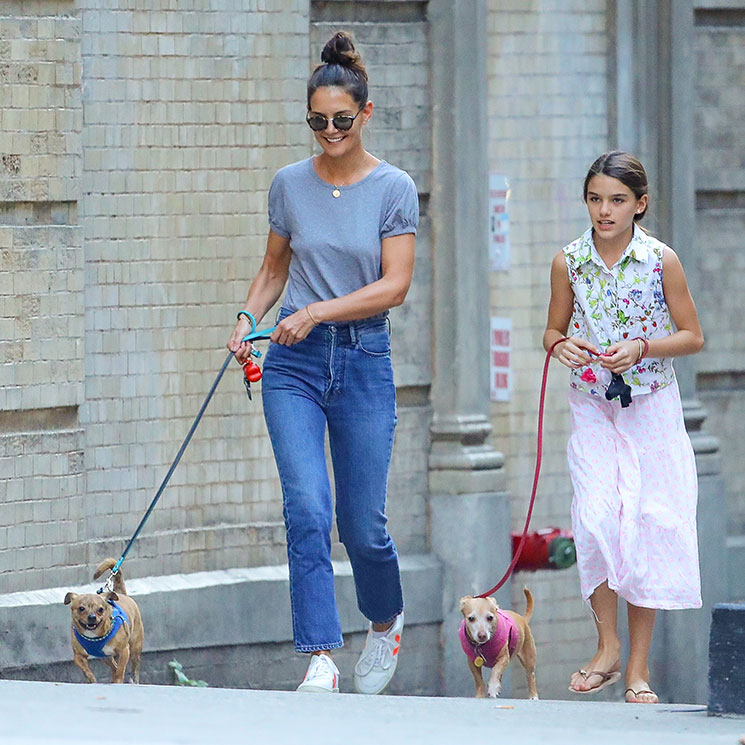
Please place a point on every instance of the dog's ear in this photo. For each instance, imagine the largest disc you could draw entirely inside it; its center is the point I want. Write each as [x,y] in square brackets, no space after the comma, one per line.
[70,597]
[493,604]
[112,595]
[464,600]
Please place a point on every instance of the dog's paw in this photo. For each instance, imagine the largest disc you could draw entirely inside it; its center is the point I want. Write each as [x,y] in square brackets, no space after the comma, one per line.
[495,691]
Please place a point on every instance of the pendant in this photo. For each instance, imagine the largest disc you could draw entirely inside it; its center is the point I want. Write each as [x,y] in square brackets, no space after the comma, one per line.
[336,193]
[479,661]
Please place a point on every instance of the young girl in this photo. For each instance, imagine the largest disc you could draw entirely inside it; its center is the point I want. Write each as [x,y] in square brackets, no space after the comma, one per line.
[342,228]
[622,298]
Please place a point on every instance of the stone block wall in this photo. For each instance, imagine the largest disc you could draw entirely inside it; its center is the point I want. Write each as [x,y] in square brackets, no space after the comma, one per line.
[720,223]
[547,123]
[41,292]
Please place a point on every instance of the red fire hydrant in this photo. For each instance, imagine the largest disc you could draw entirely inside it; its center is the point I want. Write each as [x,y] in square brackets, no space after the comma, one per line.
[549,548]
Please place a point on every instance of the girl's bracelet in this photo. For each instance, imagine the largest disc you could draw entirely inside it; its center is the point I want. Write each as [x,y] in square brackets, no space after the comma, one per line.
[643,348]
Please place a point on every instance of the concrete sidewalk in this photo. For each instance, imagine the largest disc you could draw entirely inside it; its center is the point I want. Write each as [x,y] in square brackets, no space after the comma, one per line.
[34,713]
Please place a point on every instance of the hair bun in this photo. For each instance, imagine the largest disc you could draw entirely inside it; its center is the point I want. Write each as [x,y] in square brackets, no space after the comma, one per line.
[339,50]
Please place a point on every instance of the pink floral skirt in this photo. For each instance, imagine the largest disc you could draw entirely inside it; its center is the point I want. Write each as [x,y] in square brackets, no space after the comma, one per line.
[635,493]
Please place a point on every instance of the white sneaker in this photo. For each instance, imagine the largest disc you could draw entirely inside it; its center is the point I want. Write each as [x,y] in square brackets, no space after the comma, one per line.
[322,675]
[379,658]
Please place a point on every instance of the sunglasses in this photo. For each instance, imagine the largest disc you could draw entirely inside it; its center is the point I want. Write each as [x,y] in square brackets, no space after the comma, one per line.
[342,122]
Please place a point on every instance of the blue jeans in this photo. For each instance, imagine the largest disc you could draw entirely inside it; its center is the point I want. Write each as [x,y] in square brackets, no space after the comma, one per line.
[340,376]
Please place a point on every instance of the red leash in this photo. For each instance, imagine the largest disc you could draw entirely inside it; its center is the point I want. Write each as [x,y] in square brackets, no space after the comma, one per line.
[538,455]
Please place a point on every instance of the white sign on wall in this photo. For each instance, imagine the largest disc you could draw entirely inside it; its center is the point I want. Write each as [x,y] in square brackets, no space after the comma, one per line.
[499,222]
[500,359]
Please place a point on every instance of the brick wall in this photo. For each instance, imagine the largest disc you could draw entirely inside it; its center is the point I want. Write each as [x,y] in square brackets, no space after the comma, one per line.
[547,123]
[41,292]
[190,109]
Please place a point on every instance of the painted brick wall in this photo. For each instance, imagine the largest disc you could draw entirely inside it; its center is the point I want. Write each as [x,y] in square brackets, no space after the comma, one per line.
[190,109]
[41,292]
[547,122]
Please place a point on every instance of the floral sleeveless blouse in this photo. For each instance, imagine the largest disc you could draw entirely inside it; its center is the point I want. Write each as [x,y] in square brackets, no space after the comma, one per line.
[619,303]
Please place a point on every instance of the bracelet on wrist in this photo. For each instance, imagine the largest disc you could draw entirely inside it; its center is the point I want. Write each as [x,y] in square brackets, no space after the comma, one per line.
[249,317]
[310,315]
[643,348]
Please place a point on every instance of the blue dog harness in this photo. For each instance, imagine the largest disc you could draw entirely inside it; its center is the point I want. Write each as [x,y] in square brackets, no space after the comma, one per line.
[94,646]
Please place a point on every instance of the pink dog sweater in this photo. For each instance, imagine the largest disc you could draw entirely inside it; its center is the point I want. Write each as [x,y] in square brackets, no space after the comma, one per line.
[506,631]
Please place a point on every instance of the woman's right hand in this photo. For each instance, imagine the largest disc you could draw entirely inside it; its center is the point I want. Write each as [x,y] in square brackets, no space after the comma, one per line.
[241,349]
[294,328]
[575,352]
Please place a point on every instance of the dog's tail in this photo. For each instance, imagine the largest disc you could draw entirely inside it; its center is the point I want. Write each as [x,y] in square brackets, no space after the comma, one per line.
[529,607]
[119,586]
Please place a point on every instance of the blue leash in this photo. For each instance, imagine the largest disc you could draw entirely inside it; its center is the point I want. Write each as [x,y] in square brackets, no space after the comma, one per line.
[254,335]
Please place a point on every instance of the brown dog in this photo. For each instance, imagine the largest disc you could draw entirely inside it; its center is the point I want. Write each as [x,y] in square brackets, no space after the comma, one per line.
[490,636]
[106,626]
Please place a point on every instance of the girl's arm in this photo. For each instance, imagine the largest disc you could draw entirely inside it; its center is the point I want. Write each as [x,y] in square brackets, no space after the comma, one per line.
[265,290]
[688,337]
[572,351]
[397,266]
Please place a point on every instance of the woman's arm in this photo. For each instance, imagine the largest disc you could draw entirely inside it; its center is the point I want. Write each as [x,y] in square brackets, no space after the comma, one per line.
[572,351]
[264,292]
[688,337]
[397,267]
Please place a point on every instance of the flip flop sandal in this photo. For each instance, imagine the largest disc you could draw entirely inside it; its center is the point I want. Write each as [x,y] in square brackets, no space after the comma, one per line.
[639,693]
[607,680]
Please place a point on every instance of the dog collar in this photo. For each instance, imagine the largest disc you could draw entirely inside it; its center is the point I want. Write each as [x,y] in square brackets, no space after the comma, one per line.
[94,645]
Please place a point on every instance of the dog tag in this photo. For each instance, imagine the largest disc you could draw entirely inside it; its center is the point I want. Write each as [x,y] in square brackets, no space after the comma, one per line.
[479,661]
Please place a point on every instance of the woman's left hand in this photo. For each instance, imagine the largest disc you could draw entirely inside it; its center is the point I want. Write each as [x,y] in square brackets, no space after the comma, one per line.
[293,329]
[621,356]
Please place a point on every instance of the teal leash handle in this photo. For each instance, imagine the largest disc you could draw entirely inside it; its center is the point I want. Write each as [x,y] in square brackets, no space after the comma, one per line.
[253,336]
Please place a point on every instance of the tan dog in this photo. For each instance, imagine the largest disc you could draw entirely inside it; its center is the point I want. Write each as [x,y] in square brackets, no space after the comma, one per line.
[100,630]
[490,636]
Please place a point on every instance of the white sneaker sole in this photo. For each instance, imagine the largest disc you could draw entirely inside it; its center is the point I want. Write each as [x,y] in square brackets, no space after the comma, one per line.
[315,689]
[370,693]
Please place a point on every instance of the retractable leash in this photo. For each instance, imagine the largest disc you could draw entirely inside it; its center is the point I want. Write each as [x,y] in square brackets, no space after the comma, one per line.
[250,375]
[618,387]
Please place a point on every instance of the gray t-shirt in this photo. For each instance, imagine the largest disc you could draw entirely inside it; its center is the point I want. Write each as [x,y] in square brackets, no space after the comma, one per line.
[336,242]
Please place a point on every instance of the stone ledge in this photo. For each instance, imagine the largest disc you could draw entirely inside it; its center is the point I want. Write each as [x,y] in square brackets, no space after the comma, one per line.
[200,610]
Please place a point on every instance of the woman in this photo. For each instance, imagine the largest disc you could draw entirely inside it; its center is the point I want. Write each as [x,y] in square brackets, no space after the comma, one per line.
[342,227]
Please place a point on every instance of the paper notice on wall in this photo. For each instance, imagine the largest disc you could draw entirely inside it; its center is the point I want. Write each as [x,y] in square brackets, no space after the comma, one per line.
[499,222]
[500,359]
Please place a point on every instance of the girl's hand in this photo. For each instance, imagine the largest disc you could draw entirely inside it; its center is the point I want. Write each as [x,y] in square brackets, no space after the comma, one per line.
[240,349]
[575,352]
[621,356]
[294,328]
